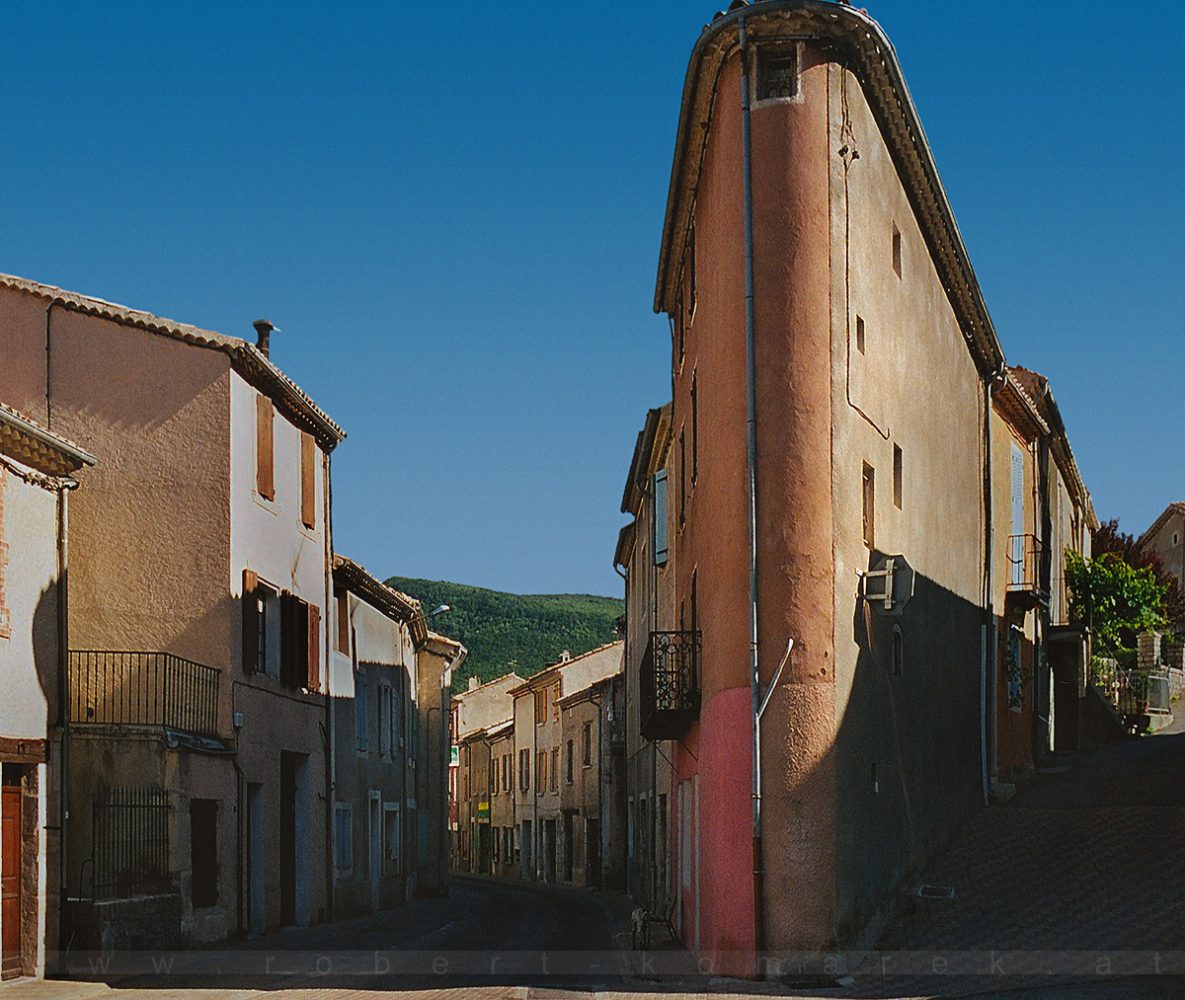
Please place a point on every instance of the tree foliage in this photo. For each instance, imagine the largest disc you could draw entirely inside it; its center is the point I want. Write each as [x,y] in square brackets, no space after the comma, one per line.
[1109,538]
[514,632]
[1116,599]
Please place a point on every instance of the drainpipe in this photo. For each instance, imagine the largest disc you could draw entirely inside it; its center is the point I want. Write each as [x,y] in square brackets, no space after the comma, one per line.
[63,710]
[751,399]
[988,638]
[330,733]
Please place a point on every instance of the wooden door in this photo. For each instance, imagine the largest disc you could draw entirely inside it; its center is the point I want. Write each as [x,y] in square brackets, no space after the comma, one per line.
[10,881]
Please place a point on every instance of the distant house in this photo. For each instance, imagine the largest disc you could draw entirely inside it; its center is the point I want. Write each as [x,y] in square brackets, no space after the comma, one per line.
[1165,539]
[36,469]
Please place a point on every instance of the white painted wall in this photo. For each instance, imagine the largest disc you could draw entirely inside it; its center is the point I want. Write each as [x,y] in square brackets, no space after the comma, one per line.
[268,536]
[30,531]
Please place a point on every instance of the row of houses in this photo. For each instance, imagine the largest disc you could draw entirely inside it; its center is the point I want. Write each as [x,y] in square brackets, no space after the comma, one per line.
[846,620]
[213,723]
[538,786]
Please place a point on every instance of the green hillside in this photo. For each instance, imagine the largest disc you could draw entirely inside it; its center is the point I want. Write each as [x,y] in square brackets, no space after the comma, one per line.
[505,632]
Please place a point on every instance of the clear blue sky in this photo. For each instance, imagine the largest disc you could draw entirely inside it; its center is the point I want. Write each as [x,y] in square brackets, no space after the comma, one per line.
[453,211]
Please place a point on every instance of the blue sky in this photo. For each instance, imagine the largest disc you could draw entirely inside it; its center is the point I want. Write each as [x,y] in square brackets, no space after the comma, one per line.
[453,211]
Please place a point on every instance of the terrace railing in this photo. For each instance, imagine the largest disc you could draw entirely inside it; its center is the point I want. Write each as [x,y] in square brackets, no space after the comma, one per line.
[128,688]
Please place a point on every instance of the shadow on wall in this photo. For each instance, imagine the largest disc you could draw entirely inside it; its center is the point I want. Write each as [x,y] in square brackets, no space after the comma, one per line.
[907,745]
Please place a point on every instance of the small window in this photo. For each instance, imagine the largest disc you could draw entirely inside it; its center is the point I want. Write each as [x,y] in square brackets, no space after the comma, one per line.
[897,476]
[896,250]
[694,426]
[524,770]
[540,706]
[1176,538]
[868,492]
[203,847]
[361,710]
[898,652]
[777,73]
[265,468]
[555,769]
[661,551]
[541,771]
[570,761]
[860,334]
[586,745]
[343,837]
[391,839]
[682,477]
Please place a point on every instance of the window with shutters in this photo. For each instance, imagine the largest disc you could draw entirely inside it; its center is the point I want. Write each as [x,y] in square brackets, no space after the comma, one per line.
[342,614]
[391,838]
[541,771]
[661,550]
[361,709]
[265,457]
[540,706]
[586,745]
[300,643]
[568,761]
[262,626]
[524,770]
[308,480]
[555,769]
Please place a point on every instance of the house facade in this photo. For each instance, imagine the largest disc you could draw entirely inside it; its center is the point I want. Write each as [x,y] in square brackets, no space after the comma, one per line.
[375,700]
[197,620]
[540,745]
[646,558]
[1165,538]
[36,470]
[829,685]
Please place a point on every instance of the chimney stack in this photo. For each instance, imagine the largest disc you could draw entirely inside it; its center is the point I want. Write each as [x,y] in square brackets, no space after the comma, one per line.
[565,656]
[473,683]
[263,329]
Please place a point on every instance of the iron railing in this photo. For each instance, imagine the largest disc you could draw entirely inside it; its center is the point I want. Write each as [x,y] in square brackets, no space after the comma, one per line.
[669,684]
[1024,563]
[130,843]
[124,688]
[1143,692]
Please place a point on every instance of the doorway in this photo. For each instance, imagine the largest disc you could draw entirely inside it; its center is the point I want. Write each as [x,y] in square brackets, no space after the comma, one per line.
[549,847]
[592,852]
[375,859]
[11,858]
[288,770]
[569,848]
[256,859]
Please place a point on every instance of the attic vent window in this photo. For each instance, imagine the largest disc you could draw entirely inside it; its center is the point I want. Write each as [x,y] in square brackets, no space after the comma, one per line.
[777,73]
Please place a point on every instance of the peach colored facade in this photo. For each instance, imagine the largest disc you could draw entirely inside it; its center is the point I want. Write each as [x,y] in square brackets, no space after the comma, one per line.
[873,363]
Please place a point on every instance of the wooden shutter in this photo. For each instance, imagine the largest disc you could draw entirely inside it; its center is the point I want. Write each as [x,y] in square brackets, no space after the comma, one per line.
[343,619]
[314,640]
[294,640]
[250,621]
[308,480]
[265,464]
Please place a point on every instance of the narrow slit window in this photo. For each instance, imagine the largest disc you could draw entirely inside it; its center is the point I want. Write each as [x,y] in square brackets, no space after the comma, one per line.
[868,492]
[860,334]
[896,250]
[897,476]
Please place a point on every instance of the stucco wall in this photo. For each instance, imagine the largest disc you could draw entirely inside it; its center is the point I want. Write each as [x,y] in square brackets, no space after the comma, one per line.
[907,747]
[29,656]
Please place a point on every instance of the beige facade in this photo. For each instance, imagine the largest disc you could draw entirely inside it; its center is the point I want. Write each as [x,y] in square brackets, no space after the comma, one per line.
[646,555]
[35,483]
[833,366]
[1165,539]
[503,842]
[201,569]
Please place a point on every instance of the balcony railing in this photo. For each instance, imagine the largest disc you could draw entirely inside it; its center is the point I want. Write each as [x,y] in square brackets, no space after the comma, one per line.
[1025,587]
[124,688]
[669,684]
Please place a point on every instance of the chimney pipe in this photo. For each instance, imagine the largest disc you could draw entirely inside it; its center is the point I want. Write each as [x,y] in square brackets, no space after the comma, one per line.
[263,329]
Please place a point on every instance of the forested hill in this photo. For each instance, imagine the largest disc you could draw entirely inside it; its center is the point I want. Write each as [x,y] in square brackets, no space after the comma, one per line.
[519,632]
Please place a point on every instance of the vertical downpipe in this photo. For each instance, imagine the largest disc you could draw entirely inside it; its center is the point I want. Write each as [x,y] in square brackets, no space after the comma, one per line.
[751,400]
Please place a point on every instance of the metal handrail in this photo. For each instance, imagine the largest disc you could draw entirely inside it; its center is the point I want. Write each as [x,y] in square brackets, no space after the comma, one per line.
[143,688]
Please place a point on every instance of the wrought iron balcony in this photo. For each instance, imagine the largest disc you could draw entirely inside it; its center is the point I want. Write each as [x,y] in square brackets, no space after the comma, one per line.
[669,684]
[1025,588]
[125,688]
